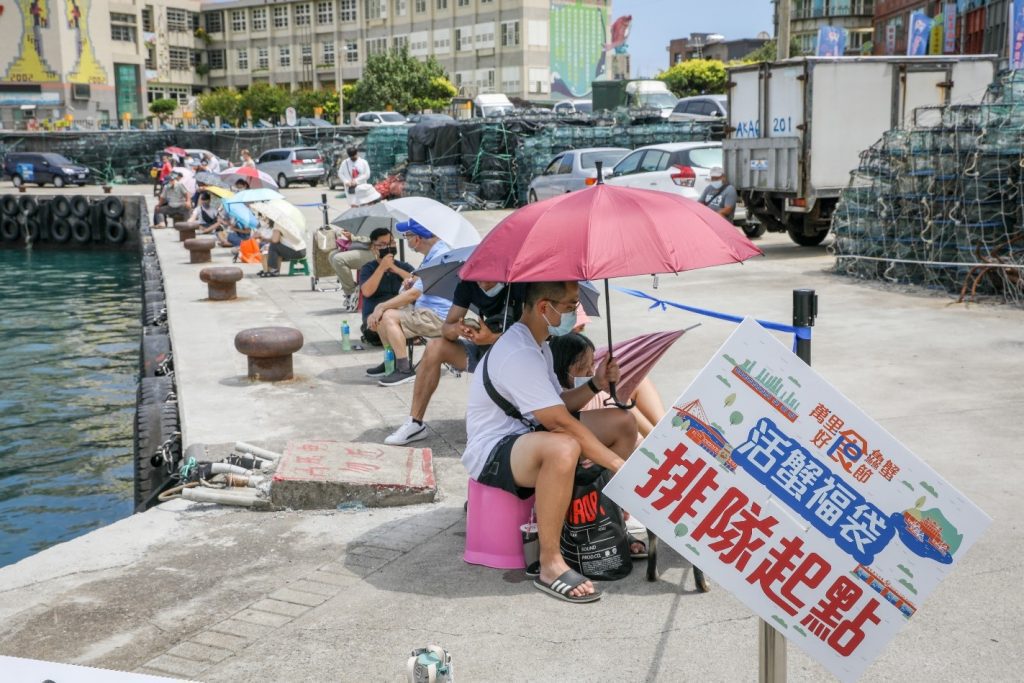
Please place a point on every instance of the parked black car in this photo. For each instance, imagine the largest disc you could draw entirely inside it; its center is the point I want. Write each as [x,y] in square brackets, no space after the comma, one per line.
[43,168]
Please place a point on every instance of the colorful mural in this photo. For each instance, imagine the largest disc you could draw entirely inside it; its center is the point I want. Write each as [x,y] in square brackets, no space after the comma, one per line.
[578,36]
[30,66]
[87,68]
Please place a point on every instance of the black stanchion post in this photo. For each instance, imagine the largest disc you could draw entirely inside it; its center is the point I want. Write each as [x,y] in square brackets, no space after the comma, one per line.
[805,310]
[323,207]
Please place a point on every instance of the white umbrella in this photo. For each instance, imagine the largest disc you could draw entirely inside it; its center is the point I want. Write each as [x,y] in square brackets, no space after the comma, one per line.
[287,218]
[451,227]
[255,177]
[188,178]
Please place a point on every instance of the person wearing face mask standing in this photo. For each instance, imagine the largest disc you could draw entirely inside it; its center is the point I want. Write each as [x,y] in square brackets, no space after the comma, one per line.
[353,171]
[462,344]
[381,279]
[720,195]
[526,435]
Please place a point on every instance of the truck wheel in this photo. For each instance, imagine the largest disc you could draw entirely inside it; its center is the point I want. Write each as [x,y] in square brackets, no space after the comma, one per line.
[755,230]
[797,234]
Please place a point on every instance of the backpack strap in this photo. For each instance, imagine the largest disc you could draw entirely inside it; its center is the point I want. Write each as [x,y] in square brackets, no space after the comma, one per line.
[499,400]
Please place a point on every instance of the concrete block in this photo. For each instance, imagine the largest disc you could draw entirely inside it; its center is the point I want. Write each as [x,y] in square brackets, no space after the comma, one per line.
[279,607]
[298,597]
[263,618]
[198,652]
[373,551]
[177,666]
[326,589]
[221,641]
[321,475]
[241,629]
[336,574]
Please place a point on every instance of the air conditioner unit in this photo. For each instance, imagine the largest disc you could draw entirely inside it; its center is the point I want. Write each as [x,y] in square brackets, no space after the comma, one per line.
[80,91]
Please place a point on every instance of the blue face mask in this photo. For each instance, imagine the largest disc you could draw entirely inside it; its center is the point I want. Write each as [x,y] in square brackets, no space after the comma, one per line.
[565,326]
[495,290]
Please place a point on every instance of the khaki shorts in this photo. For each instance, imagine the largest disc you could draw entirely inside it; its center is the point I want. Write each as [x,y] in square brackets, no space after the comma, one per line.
[419,322]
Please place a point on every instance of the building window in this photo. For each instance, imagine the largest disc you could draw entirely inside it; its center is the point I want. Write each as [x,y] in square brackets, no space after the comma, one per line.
[193,21]
[180,94]
[327,53]
[509,33]
[263,58]
[324,13]
[376,46]
[281,16]
[147,20]
[302,15]
[442,41]
[400,42]
[351,52]
[284,56]
[177,20]
[464,3]
[401,8]
[307,55]
[376,9]
[214,22]
[180,58]
[442,4]
[348,10]
[242,58]
[150,56]
[238,20]
[421,6]
[259,19]
[486,2]
[216,59]
[122,27]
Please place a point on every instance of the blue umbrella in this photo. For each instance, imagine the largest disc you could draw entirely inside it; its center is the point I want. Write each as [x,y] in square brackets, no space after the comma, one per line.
[261,194]
[242,215]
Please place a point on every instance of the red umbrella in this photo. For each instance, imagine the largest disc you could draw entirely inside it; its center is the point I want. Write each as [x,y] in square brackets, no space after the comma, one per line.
[637,356]
[177,151]
[603,232]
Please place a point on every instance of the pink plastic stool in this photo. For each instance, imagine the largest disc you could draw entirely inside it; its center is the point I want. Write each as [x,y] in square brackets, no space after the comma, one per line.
[493,519]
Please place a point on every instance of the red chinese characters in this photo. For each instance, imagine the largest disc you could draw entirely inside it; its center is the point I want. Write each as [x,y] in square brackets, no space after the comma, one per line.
[683,490]
[826,619]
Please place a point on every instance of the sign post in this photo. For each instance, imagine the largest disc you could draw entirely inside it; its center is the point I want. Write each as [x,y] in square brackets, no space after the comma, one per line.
[795,501]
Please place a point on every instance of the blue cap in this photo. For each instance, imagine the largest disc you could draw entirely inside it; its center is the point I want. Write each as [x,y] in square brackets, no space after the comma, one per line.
[415,228]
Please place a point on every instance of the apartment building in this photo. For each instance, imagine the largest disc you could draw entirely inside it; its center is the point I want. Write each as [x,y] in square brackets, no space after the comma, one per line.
[484,45]
[807,16]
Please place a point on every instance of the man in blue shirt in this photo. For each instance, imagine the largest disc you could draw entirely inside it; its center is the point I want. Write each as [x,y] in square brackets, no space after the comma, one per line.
[411,313]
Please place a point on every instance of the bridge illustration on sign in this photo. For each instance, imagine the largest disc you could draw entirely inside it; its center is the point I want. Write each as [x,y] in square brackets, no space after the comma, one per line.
[692,419]
[770,387]
[882,587]
[929,534]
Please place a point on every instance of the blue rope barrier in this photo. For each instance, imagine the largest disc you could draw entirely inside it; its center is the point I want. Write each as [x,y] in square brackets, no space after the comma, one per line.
[797,332]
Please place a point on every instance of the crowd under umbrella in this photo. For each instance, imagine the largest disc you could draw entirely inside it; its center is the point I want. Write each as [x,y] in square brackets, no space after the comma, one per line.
[446,224]
[255,177]
[210,179]
[188,178]
[605,232]
[263,194]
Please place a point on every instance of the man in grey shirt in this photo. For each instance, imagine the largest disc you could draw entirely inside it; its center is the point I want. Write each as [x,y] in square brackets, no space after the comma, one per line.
[175,202]
[719,195]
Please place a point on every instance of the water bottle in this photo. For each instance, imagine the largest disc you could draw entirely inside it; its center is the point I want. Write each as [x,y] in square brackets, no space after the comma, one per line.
[346,342]
[389,359]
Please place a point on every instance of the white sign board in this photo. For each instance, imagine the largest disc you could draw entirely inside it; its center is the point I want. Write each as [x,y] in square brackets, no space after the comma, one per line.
[289,116]
[796,502]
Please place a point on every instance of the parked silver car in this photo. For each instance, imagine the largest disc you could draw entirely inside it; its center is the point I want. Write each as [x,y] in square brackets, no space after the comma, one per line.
[292,165]
[573,170]
[701,108]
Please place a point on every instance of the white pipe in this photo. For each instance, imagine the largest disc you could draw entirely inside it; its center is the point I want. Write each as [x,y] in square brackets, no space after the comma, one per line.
[203,495]
[225,468]
[257,451]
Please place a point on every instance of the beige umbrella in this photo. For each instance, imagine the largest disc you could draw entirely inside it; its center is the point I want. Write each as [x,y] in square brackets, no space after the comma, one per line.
[287,217]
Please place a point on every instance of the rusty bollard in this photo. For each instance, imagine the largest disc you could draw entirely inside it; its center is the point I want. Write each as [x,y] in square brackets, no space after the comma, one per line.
[220,281]
[200,249]
[186,230]
[269,350]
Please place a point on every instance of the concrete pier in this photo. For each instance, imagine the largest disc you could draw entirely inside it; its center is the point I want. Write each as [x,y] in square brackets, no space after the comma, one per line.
[206,593]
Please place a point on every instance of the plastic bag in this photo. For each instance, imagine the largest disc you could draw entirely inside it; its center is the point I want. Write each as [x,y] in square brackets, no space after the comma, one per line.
[249,251]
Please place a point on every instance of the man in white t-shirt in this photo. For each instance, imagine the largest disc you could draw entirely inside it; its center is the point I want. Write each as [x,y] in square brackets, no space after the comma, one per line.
[353,171]
[539,453]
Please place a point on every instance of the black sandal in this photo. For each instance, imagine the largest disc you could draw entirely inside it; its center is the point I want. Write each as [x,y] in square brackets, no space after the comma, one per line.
[564,585]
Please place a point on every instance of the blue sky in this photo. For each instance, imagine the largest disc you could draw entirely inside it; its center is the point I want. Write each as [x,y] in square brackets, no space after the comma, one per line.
[656,22]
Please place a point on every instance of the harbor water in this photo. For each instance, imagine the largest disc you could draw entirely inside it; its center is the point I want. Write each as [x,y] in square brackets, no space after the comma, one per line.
[69,362]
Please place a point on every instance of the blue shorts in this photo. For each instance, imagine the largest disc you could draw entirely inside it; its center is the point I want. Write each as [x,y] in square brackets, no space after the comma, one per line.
[235,239]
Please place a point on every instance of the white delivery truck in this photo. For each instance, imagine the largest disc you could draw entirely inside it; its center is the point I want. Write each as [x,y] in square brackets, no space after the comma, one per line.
[492,104]
[796,127]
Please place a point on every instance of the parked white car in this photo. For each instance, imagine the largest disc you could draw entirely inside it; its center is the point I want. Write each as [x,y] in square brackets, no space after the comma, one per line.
[573,170]
[372,119]
[681,167]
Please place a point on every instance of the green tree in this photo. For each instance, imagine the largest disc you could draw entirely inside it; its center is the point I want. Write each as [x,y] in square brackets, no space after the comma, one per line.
[695,77]
[306,101]
[163,108]
[222,102]
[265,101]
[398,80]
[769,51]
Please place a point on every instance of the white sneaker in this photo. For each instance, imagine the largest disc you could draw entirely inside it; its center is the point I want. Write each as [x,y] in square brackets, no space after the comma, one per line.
[350,301]
[409,431]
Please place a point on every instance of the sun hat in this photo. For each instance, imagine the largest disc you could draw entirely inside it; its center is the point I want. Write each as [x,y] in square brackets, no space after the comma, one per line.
[364,194]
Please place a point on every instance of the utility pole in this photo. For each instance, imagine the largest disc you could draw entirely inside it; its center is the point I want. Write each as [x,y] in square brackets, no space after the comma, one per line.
[782,38]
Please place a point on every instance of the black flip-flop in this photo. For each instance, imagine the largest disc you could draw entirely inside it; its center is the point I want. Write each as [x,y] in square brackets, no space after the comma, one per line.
[564,585]
[633,540]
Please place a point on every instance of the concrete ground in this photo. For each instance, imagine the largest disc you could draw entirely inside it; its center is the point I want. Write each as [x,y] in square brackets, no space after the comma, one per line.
[212,594]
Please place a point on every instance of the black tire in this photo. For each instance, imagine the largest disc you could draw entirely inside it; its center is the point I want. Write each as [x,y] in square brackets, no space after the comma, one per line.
[154,314]
[30,230]
[755,230]
[61,207]
[156,351]
[151,431]
[60,231]
[113,207]
[313,183]
[282,180]
[16,180]
[114,232]
[796,233]
[80,231]
[80,206]
[58,181]
[9,229]
[28,205]
[9,206]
